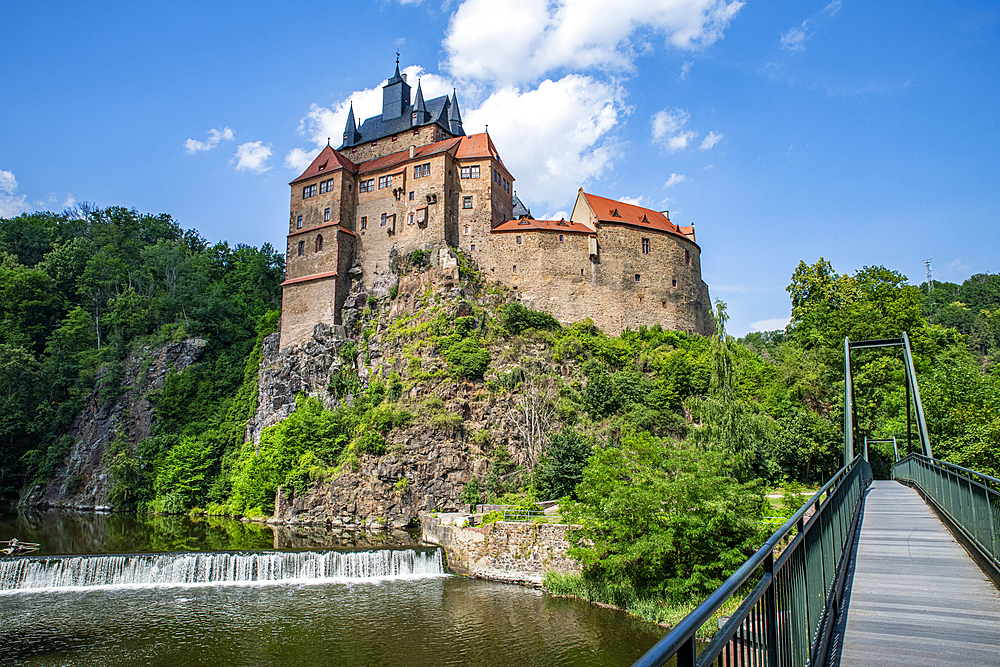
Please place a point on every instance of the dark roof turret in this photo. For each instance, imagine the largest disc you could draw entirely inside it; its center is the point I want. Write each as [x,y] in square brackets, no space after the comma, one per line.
[351,134]
[455,116]
[420,114]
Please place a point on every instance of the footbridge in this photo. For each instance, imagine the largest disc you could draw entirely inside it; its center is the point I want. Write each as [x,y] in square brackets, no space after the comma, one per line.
[888,572]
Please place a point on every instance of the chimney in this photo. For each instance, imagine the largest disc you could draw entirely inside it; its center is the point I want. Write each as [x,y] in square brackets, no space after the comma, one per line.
[413,152]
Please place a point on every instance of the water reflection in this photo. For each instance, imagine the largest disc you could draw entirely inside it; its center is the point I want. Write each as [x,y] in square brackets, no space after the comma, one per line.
[64,532]
[431,622]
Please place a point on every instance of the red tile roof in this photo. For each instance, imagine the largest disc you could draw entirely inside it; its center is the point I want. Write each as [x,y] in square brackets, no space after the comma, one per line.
[327,161]
[479,146]
[393,159]
[315,276]
[528,224]
[611,211]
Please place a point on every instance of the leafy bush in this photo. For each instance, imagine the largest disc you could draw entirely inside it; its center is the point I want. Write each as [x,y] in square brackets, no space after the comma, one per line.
[471,493]
[515,317]
[561,467]
[468,359]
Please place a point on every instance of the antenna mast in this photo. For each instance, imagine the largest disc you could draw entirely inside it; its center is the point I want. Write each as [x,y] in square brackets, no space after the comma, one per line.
[930,281]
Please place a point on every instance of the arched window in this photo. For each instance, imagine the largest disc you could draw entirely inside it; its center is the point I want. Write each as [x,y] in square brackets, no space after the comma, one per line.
[319,242]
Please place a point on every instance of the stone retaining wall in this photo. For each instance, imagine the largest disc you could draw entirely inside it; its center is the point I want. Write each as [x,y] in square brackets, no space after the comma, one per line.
[518,553]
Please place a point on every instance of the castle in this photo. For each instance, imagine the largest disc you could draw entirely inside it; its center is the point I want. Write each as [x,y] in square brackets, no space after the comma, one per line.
[412,179]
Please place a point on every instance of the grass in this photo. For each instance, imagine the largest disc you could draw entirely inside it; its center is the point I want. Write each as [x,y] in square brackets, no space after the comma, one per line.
[623,597]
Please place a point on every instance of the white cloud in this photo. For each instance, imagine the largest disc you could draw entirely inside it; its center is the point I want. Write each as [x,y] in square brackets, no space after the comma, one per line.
[252,156]
[674,180]
[669,129]
[795,38]
[685,68]
[553,138]
[770,324]
[70,202]
[11,203]
[529,38]
[192,146]
[635,201]
[299,158]
[710,140]
[322,123]
[558,215]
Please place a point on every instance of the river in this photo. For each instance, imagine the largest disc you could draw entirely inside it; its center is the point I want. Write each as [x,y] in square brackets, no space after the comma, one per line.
[122,590]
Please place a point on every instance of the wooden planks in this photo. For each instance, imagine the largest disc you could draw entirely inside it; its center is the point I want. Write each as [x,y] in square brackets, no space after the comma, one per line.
[916,598]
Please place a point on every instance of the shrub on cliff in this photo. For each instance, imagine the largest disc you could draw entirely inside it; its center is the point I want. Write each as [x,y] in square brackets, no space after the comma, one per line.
[515,317]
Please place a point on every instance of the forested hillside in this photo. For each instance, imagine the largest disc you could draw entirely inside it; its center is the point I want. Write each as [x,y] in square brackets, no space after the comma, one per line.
[662,444]
[78,290]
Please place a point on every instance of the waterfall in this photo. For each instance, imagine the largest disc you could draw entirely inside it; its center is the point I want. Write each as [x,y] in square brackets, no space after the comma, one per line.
[213,569]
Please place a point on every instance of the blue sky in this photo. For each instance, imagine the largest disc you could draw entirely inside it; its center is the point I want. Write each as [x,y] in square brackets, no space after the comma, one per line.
[865,133]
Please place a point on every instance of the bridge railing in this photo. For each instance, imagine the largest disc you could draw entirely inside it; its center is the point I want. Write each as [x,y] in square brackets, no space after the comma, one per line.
[787,617]
[969,498]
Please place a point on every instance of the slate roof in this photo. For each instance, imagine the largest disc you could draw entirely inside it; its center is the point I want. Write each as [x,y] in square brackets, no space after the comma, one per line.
[520,210]
[376,128]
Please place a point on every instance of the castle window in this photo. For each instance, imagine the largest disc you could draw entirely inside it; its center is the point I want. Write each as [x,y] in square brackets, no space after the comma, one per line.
[470,172]
[518,240]
[373,143]
[384,218]
[663,303]
[302,248]
[326,186]
[514,269]
[354,150]
[416,132]
[298,222]
[326,215]
[395,138]
[581,272]
[319,242]
[350,188]
[473,247]
[687,257]
[673,283]
[413,118]
[466,229]
[385,181]
[466,202]
[411,195]
[309,191]
[645,246]
[367,186]
[560,238]
[422,170]
[411,218]
[364,222]
[637,277]
[642,297]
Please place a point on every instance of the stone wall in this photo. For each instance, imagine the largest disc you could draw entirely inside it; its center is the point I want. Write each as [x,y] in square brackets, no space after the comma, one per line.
[425,134]
[503,551]
[555,273]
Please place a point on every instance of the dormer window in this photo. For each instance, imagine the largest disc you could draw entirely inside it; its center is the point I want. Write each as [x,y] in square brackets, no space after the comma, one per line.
[413,118]
[615,214]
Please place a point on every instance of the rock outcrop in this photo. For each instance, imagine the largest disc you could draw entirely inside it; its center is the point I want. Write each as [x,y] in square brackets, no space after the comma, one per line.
[82,480]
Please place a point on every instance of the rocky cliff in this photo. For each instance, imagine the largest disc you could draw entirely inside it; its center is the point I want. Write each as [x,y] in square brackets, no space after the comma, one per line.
[458,424]
[82,481]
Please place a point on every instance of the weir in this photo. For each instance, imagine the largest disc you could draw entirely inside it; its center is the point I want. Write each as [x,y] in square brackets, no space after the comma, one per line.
[65,573]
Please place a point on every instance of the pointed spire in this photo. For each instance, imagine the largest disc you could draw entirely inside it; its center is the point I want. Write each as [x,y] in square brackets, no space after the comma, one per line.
[420,114]
[351,134]
[455,116]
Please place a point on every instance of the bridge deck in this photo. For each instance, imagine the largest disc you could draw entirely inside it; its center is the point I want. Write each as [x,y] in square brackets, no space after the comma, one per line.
[915,597]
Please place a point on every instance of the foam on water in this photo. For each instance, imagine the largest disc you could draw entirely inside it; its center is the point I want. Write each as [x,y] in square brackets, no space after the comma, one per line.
[69,573]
